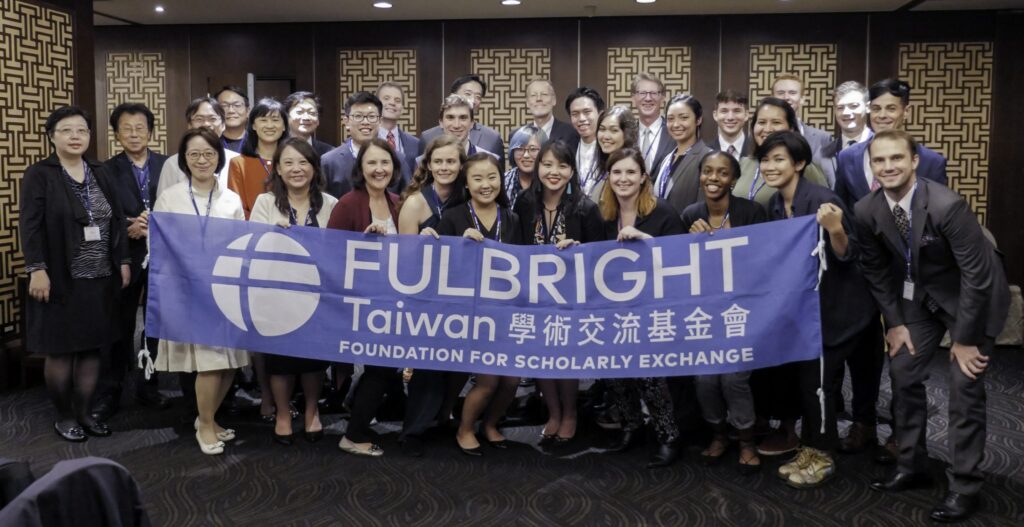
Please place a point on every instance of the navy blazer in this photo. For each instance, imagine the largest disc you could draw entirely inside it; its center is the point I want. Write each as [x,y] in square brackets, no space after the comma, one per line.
[410,150]
[480,135]
[563,131]
[951,261]
[846,303]
[120,169]
[337,166]
[851,185]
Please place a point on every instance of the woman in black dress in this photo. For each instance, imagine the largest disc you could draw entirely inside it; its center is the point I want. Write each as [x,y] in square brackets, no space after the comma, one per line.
[554,211]
[484,214]
[76,255]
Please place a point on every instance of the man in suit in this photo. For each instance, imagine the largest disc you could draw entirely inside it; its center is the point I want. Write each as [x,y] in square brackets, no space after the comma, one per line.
[473,89]
[648,94]
[406,145]
[540,100]
[135,172]
[235,103]
[851,112]
[584,105]
[202,111]
[931,269]
[362,119]
[791,89]
[888,109]
[303,109]
[731,114]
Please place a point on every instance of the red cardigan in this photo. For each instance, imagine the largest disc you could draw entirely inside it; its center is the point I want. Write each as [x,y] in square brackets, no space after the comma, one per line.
[352,213]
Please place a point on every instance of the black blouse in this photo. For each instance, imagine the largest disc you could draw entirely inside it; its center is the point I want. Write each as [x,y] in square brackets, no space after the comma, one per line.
[662,221]
[457,219]
[583,221]
[742,212]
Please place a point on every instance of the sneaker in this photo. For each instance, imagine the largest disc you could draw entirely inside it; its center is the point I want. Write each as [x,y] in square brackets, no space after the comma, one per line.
[798,462]
[818,470]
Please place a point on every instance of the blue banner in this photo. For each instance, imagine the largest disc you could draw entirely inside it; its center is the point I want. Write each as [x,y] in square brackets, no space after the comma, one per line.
[740,299]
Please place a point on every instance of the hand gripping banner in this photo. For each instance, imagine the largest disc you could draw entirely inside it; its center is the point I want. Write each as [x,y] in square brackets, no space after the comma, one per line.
[739,299]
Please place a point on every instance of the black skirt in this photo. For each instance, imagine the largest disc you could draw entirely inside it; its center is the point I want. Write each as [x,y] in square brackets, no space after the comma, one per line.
[84,320]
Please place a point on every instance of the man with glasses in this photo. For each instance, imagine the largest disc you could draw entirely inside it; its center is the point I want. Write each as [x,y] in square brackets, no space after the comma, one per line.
[235,103]
[654,141]
[540,100]
[362,119]
[204,111]
[135,172]
[472,88]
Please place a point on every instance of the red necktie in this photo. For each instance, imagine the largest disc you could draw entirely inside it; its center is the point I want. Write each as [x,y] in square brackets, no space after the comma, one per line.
[391,140]
[875,185]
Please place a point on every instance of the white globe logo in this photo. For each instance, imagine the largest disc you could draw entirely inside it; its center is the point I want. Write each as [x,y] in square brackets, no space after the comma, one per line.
[274,311]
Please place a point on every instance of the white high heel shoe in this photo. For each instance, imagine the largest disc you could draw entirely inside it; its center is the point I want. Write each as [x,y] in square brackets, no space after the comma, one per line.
[227,435]
[210,450]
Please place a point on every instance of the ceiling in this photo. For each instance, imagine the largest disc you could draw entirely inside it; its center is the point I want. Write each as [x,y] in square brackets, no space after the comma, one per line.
[119,12]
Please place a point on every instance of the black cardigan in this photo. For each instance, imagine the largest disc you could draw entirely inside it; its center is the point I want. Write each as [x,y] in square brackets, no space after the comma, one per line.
[583,221]
[52,222]
[742,212]
[457,219]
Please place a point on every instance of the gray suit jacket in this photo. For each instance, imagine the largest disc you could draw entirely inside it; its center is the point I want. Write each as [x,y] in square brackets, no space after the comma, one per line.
[686,178]
[482,136]
[815,137]
[951,261]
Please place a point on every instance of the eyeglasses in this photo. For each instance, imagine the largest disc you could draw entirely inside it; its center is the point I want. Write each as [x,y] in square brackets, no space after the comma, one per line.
[68,132]
[232,105]
[199,120]
[208,155]
[532,151]
[369,118]
[646,94]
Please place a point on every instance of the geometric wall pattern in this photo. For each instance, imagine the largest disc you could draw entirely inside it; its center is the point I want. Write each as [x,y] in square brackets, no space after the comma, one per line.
[36,76]
[139,77]
[365,69]
[670,64]
[951,97]
[815,64]
[508,72]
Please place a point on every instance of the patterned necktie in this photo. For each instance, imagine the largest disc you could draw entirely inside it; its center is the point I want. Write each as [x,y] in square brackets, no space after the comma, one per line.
[731,150]
[391,139]
[646,145]
[875,185]
[902,223]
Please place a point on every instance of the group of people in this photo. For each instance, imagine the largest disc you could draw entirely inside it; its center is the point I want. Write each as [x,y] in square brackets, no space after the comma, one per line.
[900,246]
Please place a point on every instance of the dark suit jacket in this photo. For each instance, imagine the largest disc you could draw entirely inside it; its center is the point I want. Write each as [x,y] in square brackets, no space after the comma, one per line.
[321,147]
[742,212]
[410,149]
[686,178]
[851,185]
[746,150]
[480,135]
[337,166]
[120,169]
[563,131]
[662,221]
[951,261]
[583,222]
[846,304]
[665,146]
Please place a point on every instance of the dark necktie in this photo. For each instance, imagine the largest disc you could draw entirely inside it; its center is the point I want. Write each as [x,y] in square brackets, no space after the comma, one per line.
[391,139]
[731,151]
[902,223]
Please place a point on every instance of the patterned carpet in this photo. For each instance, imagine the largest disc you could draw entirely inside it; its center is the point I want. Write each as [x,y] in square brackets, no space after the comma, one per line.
[260,483]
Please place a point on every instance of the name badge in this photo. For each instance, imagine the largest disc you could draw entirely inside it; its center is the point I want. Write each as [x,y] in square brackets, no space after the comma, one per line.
[908,290]
[92,233]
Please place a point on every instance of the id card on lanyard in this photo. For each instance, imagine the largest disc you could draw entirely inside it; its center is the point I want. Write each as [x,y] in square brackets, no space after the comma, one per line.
[479,227]
[754,187]
[908,279]
[91,232]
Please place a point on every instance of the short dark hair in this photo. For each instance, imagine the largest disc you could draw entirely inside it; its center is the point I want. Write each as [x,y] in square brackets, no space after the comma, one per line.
[359,178]
[234,89]
[734,165]
[731,96]
[895,135]
[469,77]
[476,159]
[585,91]
[193,107]
[894,87]
[264,107]
[62,113]
[791,119]
[210,138]
[794,143]
[131,108]
[692,103]
[294,99]
[280,190]
[363,97]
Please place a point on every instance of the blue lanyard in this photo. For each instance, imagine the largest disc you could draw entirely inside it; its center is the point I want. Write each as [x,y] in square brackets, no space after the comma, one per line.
[84,195]
[663,184]
[479,227]
[142,178]
[753,191]
[209,202]
[907,255]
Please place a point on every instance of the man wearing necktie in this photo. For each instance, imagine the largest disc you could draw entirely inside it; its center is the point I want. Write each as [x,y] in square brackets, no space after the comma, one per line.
[850,107]
[648,92]
[406,145]
[731,115]
[931,269]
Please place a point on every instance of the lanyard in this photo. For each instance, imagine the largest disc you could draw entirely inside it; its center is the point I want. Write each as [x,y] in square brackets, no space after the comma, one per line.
[910,231]
[310,217]
[433,200]
[266,167]
[209,202]
[82,195]
[545,228]
[142,178]
[663,184]
[754,187]
[650,147]
[724,221]
[479,227]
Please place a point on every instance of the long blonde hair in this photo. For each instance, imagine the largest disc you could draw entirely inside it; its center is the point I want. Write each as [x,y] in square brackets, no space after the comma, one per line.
[646,202]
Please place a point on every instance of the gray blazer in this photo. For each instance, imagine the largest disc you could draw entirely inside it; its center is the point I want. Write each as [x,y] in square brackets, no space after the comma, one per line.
[686,178]
[815,137]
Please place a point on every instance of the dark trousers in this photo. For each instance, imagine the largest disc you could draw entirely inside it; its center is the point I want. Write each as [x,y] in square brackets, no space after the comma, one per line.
[967,414]
[626,396]
[865,367]
[825,374]
[122,358]
[777,391]
[427,390]
[367,399]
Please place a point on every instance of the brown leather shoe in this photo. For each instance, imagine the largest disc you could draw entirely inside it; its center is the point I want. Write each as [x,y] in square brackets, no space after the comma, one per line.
[860,437]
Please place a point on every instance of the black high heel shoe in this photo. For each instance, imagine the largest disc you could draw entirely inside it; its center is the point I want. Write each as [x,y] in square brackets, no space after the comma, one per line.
[313,437]
[286,440]
[547,440]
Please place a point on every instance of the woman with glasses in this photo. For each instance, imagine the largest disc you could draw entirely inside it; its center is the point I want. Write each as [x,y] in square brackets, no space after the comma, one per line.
[522,150]
[200,157]
[76,256]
